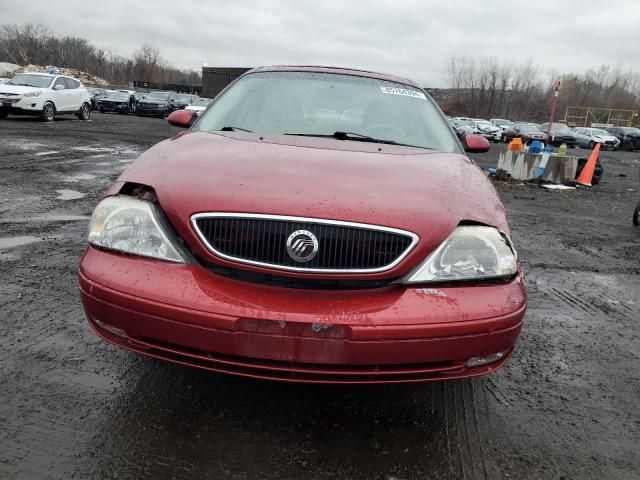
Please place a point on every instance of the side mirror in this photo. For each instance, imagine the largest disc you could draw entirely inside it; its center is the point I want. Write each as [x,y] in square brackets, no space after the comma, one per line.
[58,87]
[475,144]
[181,118]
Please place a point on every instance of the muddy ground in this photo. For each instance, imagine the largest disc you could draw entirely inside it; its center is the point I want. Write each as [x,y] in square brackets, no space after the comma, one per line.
[71,406]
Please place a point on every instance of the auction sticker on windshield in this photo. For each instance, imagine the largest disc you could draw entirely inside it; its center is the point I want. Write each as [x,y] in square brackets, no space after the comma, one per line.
[403,91]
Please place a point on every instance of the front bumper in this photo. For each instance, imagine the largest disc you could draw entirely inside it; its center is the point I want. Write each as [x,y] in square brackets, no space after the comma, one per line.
[191,316]
[110,107]
[151,110]
[22,104]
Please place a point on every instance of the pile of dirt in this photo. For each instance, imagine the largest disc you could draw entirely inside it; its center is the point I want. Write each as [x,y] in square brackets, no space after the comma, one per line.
[7,69]
[10,69]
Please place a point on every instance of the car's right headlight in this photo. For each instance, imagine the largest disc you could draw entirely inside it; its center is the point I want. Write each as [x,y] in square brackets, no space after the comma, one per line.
[129,225]
[472,252]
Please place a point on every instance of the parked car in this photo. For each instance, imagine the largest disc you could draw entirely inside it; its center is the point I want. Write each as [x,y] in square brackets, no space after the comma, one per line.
[96,94]
[199,106]
[184,99]
[115,102]
[526,131]
[629,137]
[379,254]
[588,138]
[487,130]
[463,125]
[45,95]
[501,123]
[157,104]
[561,133]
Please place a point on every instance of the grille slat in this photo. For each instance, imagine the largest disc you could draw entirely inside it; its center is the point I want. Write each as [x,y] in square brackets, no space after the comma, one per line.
[342,247]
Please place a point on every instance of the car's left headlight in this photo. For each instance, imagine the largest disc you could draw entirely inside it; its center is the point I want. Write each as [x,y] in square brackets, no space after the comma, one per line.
[472,252]
[129,225]
[35,93]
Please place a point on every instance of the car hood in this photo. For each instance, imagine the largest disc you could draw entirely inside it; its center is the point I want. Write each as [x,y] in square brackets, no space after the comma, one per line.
[487,128]
[422,191]
[20,89]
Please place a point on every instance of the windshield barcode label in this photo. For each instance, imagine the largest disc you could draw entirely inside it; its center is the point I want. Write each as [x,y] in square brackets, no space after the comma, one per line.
[403,91]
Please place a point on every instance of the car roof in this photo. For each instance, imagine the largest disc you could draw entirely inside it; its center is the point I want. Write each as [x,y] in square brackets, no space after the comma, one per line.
[335,70]
[42,74]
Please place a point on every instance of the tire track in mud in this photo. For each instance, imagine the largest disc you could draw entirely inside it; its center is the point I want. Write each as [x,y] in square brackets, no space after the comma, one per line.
[588,293]
[459,404]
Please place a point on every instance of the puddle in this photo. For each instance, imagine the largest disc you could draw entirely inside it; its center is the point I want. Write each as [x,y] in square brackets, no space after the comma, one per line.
[79,177]
[12,242]
[69,195]
[42,154]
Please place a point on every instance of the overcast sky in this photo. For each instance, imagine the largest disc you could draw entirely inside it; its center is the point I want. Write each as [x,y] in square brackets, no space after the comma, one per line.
[409,38]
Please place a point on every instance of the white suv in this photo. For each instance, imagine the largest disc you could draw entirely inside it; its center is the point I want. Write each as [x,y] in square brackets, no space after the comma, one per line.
[45,95]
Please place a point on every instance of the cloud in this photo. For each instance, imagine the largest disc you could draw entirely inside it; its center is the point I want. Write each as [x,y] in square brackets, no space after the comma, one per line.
[410,38]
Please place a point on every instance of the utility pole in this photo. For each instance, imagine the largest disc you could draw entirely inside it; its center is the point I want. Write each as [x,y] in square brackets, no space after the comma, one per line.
[554,103]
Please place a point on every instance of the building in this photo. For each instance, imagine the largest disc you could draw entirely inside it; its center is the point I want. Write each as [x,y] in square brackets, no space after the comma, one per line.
[214,79]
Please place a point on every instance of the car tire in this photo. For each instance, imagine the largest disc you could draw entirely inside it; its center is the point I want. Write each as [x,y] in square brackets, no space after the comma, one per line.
[4,115]
[636,215]
[48,113]
[84,113]
[592,145]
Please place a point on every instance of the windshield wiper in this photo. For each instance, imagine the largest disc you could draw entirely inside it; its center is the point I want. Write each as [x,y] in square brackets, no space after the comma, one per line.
[233,129]
[356,137]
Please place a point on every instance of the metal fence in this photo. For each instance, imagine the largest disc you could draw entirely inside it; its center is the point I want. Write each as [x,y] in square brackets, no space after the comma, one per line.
[598,117]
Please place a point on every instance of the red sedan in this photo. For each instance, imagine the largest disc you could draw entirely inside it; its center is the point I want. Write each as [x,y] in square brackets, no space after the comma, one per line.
[313,225]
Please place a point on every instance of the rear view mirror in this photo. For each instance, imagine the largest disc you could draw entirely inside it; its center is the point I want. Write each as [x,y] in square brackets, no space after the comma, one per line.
[181,118]
[58,87]
[475,144]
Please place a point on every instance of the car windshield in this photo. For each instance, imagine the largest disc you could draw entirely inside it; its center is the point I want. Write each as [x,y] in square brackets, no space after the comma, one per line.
[597,131]
[560,127]
[29,80]
[630,130]
[185,97]
[158,96]
[123,97]
[485,124]
[312,103]
[529,129]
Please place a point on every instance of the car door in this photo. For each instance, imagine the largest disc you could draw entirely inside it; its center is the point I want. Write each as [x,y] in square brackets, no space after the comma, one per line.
[76,94]
[60,95]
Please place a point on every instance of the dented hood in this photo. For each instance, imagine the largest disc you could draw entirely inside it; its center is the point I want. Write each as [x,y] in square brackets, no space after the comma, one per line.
[422,191]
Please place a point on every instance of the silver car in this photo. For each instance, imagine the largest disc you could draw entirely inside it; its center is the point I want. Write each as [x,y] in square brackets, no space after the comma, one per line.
[588,137]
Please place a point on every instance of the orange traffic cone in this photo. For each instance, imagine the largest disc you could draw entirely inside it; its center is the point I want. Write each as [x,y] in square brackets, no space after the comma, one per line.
[587,172]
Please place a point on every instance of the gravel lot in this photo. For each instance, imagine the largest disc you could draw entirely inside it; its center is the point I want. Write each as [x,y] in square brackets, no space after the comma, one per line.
[71,406]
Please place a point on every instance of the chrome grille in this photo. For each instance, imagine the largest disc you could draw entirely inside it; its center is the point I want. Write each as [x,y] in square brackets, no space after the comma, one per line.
[343,247]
